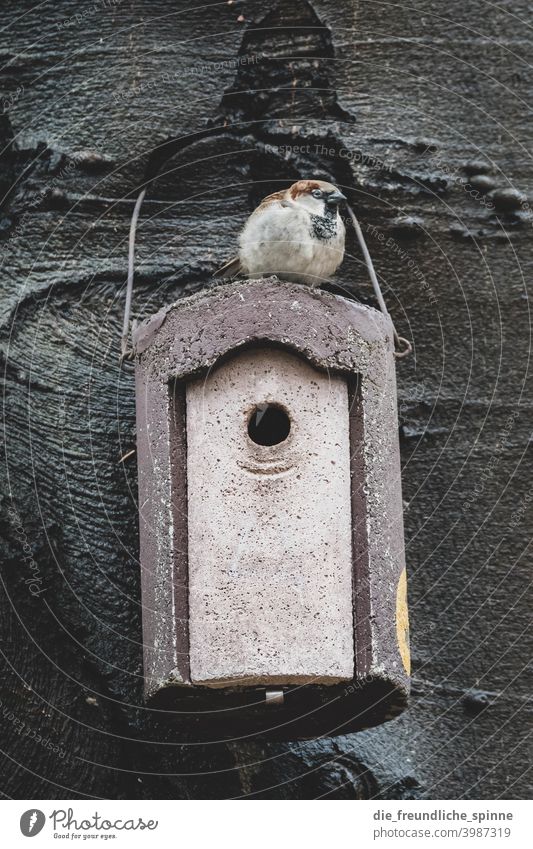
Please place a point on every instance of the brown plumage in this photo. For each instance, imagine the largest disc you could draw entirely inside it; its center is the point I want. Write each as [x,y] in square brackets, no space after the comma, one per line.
[296,234]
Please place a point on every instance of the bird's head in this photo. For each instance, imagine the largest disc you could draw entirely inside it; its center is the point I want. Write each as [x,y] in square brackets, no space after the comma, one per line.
[316,196]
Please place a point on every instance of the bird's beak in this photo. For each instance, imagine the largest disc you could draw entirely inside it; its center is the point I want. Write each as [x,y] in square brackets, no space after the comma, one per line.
[335,198]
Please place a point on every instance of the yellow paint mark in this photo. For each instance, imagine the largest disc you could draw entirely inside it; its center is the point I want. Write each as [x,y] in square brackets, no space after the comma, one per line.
[402,622]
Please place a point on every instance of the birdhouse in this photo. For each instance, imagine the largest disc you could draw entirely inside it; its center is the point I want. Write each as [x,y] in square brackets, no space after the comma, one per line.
[271,530]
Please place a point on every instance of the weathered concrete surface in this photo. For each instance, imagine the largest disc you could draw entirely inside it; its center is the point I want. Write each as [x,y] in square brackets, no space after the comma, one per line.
[339,338]
[406,101]
[270,549]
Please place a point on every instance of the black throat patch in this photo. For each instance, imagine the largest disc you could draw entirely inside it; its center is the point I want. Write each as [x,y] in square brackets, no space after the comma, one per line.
[324,226]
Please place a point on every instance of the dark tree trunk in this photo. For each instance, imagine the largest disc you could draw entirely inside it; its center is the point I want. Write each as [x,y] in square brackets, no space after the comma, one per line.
[417,112]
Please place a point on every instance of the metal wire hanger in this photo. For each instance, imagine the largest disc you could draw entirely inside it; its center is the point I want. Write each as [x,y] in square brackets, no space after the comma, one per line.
[404,347]
[399,340]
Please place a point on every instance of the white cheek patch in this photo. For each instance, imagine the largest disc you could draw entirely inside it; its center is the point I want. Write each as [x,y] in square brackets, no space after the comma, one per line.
[315,206]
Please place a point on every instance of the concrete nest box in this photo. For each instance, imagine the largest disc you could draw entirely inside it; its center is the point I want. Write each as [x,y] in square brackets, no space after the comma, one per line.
[271,530]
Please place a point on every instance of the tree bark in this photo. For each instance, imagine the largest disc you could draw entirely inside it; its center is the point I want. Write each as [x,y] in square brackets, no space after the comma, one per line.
[418,113]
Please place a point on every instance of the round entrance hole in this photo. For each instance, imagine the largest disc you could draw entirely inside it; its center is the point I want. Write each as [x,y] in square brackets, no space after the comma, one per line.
[269,424]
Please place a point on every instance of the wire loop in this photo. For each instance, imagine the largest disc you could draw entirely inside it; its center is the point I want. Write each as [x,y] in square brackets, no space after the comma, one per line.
[398,340]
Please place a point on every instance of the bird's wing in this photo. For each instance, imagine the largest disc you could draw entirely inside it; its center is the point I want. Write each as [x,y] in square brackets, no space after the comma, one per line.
[231,268]
[270,199]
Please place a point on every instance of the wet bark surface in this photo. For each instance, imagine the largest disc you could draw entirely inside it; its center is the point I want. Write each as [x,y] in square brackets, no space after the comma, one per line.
[419,114]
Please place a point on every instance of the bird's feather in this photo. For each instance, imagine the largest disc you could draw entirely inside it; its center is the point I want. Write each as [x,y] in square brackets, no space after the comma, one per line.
[296,234]
[231,268]
[273,198]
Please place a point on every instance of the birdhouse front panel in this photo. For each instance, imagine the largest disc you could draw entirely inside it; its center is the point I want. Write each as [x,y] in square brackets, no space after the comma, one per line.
[270,511]
[269,516]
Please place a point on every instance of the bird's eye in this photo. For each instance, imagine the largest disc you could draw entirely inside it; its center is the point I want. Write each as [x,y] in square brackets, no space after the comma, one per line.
[317,193]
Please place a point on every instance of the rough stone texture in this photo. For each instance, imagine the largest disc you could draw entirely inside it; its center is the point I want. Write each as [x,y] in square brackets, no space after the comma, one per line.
[402,101]
[270,526]
[337,336]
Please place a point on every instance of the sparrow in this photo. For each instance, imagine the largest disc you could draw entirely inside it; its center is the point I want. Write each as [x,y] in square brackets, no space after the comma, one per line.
[296,234]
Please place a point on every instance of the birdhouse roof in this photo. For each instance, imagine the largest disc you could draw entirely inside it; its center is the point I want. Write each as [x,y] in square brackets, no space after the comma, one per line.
[331,332]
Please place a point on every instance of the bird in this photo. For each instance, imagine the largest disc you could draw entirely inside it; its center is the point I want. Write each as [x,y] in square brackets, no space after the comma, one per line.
[296,234]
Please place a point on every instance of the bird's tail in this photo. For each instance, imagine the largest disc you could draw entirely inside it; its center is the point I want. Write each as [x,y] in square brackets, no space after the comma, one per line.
[232,268]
